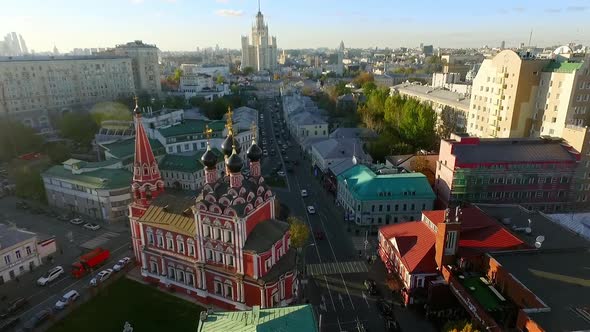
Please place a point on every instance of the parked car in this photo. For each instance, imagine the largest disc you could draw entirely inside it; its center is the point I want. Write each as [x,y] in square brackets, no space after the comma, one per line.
[121,264]
[14,307]
[68,298]
[101,277]
[281,173]
[310,209]
[63,217]
[371,286]
[385,308]
[303,193]
[37,320]
[91,226]
[7,325]
[50,276]
[76,221]
[318,234]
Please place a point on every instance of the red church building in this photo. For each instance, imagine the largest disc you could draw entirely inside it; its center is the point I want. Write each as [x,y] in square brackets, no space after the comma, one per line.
[223,247]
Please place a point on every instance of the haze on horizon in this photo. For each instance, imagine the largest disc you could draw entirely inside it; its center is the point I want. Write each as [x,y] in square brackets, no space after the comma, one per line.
[183,25]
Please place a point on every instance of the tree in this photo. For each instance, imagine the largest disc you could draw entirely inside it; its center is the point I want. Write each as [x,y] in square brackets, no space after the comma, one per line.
[79,127]
[449,119]
[220,79]
[17,139]
[459,326]
[110,111]
[196,101]
[299,232]
[57,152]
[175,102]
[247,71]
[29,184]
[363,78]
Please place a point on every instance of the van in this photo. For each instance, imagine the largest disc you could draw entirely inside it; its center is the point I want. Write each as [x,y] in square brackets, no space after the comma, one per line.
[68,298]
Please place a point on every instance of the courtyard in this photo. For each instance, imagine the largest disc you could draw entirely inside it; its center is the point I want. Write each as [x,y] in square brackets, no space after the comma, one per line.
[144,307]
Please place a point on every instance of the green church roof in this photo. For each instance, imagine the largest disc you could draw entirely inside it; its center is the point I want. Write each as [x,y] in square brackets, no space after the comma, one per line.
[285,319]
[99,179]
[126,148]
[185,163]
[365,185]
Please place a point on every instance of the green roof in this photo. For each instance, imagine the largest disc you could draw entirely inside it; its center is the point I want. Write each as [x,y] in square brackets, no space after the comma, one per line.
[192,127]
[364,184]
[563,67]
[185,163]
[124,148]
[99,179]
[285,319]
[77,164]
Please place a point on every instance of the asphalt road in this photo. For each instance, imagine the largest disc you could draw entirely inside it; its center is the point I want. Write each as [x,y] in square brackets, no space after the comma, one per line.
[70,240]
[334,276]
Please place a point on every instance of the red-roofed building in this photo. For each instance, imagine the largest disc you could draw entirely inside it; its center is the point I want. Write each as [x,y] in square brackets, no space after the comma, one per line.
[416,251]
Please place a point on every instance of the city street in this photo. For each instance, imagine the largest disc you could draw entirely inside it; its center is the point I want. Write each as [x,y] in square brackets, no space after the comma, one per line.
[335,272]
[72,241]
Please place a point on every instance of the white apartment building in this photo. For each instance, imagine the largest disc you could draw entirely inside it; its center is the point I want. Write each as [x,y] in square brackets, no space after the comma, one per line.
[100,190]
[145,64]
[32,85]
[21,251]
[192,83]
[208,69]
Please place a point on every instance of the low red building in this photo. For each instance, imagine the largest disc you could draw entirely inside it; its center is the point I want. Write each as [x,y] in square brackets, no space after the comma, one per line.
[224,246]
[416,251]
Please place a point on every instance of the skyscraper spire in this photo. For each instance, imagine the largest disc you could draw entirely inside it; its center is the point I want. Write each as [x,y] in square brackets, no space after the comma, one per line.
[259,6]
[147,182]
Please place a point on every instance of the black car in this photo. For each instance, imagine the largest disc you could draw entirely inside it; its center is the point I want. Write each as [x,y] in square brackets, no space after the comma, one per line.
[13,307]
[7,325]
[371,286]
[385,308]
[37,320]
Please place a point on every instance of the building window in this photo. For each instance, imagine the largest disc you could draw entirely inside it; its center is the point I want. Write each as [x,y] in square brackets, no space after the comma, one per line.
[7,259]
[230,260]
[405,207]
[216,233]
[191,249]
[218,288]
[150,238]
[28,250]
[206,231]
[169,243]
[228,236]
[160,241]
[209,254]
[180,245]
[229,291]
[268,264]
[17,254]
[153,267]
[220,258]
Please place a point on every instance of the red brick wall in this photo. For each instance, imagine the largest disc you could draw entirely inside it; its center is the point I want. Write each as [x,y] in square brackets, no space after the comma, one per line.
[507,285]
[523,321]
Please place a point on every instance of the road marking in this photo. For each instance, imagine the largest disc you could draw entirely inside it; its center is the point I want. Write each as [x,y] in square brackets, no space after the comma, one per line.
[322,217]
[366,300]
[308,223]
[339,326]
[341,300]
[330,293]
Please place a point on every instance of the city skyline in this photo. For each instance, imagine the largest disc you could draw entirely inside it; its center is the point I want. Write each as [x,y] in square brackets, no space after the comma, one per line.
[180,25]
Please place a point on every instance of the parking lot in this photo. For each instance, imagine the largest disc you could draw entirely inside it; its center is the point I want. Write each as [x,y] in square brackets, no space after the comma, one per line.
[72,242]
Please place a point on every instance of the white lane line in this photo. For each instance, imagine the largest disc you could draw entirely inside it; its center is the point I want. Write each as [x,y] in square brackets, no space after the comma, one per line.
[366,300]
[322,216]
[308,223]
[330,292]
[276,144]
[339,326]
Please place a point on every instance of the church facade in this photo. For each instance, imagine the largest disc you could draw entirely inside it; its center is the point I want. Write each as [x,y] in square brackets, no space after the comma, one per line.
[223,247]
[260,52]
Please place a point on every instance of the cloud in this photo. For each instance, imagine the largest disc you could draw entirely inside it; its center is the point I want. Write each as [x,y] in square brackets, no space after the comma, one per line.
[229,12]
[577,8]
[553,10]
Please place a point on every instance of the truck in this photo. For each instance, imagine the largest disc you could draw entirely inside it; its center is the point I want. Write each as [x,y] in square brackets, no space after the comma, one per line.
[89,261]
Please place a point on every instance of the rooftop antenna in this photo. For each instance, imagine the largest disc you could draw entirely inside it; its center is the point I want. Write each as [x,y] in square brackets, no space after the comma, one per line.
[530,37]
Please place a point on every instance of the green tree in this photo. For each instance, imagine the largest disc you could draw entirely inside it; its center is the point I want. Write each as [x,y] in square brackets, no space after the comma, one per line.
[79,127]
[459,326]
[196,101]
[17,139]
[299,232]
[220,79]
[247,71]
[449,119]
[111,111]
[175,102]
[57,152]
[29,184]
[363,78]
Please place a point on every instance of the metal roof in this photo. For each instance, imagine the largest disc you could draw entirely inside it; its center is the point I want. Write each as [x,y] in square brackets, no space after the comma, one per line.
[192,127]
[185,163]
[10,236]
[171,211]
[99,179]
[265,234]
[512,150]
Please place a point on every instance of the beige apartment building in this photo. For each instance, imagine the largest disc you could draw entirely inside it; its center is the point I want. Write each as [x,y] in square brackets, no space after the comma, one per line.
[563,96]
[504,94]
[34,84]
[579,138]
[145,64]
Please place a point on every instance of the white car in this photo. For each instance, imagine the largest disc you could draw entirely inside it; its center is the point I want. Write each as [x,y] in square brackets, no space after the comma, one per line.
[68,298]
[91,226]
[281,173]
[101,277]
[76,221]
[121,264]
[310,209]
[303,193]
[51,275]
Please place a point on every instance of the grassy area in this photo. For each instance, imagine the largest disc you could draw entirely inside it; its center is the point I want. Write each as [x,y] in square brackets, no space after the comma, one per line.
[146,308]
[482,293]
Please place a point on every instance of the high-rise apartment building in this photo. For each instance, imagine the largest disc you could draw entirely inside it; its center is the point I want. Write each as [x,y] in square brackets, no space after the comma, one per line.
[145,65]
[38,84]
[579,138]
[563,96]
[13,45]
[260,52]
[503,95]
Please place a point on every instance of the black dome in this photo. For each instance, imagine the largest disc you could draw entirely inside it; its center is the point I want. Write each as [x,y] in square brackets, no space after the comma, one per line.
[209,159]
[228,145]
[254,152]
[234,163]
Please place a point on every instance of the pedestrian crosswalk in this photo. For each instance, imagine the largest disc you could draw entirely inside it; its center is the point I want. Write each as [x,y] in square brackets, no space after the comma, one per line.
[99,240]
[336,268]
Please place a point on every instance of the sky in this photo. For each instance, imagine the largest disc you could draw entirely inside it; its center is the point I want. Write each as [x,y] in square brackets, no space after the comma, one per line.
[184,25]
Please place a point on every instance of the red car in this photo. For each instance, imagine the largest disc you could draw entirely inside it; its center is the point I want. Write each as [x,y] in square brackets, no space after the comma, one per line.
[319,235]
